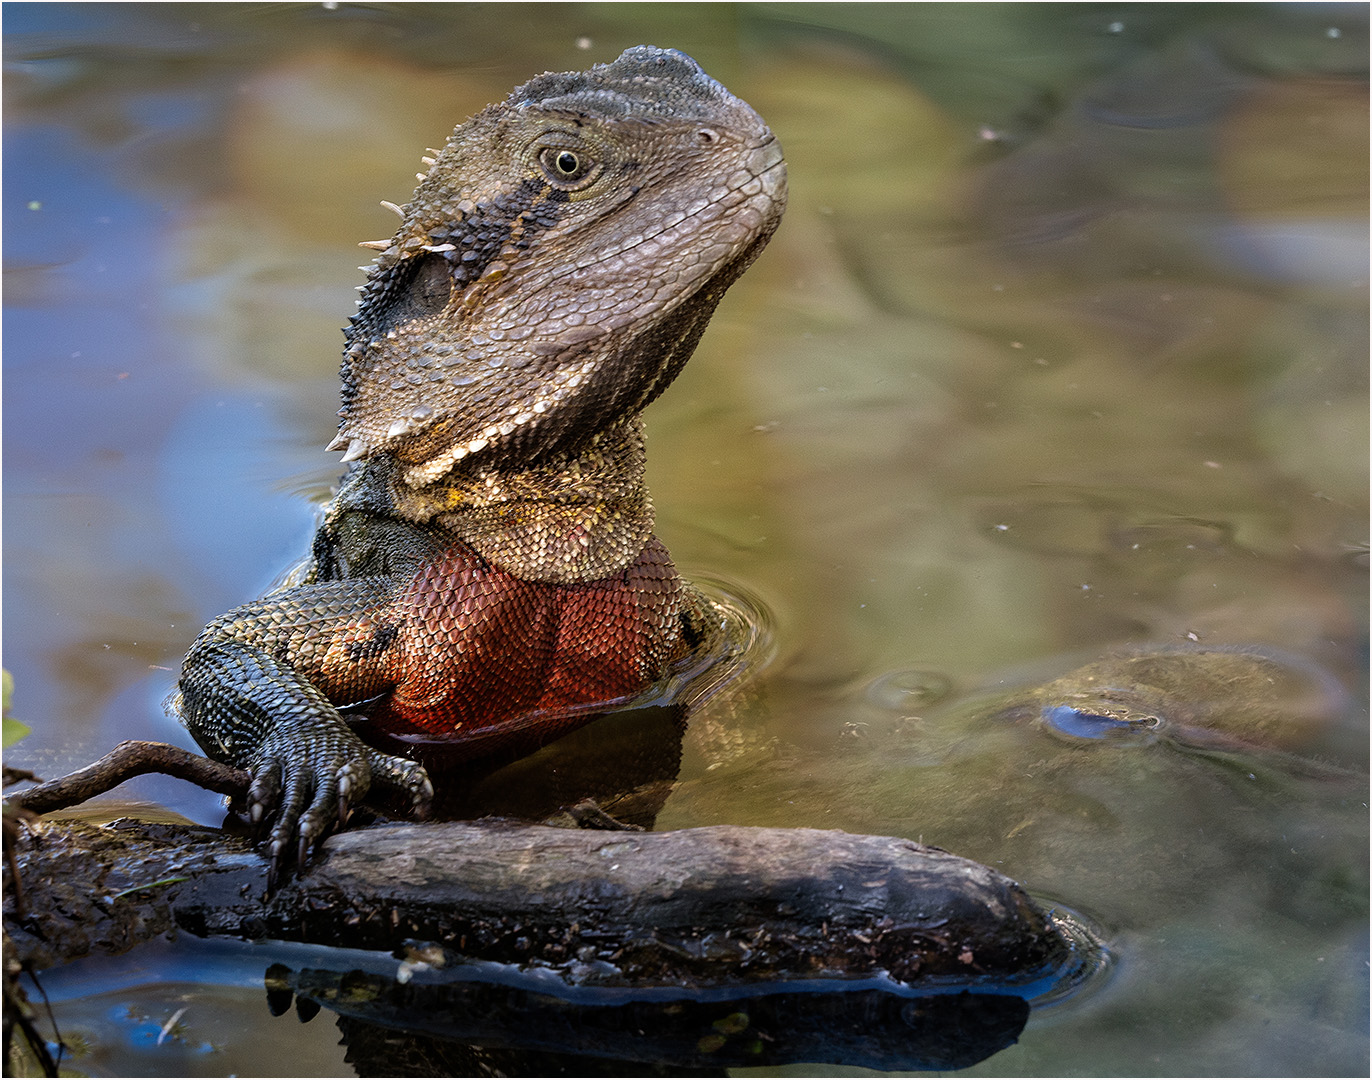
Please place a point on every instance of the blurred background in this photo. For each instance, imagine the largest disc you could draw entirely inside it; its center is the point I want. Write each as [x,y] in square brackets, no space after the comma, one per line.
[1059,354]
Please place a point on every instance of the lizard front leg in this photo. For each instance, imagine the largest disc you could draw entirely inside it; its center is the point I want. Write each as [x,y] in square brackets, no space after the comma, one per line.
[260,690]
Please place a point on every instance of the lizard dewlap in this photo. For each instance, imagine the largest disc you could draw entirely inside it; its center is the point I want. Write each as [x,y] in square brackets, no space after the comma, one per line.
[489,565]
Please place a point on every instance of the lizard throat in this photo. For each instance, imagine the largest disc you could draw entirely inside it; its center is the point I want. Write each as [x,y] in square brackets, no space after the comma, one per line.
[576,518]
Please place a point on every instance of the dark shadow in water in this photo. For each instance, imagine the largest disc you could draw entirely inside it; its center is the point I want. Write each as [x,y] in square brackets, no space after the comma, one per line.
[482,1029]
[624,763]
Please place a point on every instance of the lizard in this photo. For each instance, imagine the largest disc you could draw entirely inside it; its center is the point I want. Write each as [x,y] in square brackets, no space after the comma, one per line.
[487,571]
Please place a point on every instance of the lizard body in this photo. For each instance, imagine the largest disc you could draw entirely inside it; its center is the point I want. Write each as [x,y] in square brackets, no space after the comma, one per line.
[488,569]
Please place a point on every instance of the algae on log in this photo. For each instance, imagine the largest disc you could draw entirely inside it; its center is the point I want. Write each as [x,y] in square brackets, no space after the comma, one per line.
[704,907]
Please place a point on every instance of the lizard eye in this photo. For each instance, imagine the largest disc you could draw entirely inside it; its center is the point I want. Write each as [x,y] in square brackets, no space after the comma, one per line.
[567,168]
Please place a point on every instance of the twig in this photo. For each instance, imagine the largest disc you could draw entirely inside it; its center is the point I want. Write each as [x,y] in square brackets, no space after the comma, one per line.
[127,760]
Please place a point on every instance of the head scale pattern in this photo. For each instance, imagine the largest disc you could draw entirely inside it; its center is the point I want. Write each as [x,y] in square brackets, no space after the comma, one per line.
[557,265]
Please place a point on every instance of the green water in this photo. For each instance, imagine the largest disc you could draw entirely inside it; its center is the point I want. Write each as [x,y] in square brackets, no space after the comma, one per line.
[1061,352]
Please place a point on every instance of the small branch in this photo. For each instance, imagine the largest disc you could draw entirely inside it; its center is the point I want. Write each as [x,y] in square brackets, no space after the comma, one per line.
[127,760]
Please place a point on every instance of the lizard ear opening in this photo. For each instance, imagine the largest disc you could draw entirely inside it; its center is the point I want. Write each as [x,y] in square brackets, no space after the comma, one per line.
[421,291]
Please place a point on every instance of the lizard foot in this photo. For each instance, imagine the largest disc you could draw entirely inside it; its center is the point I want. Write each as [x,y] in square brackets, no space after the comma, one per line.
[304,787]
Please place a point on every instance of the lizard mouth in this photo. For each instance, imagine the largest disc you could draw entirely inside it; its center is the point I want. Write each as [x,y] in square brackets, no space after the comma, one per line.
[759,182]
[730,221]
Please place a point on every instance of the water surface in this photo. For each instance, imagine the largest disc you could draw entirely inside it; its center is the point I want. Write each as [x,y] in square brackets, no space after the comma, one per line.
[1060,354]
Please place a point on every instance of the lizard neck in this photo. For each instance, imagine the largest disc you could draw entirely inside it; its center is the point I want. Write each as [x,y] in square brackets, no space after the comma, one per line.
[572,518]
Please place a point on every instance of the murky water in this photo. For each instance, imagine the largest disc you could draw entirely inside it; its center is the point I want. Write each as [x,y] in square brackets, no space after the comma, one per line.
[1060,354]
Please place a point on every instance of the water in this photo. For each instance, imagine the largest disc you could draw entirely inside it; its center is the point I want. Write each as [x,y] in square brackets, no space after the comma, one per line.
[1060,353]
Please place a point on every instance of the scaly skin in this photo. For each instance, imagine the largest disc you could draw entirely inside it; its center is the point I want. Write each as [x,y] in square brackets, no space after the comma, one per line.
[488,572]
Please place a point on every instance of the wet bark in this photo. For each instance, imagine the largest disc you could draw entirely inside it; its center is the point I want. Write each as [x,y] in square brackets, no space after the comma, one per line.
[698,907]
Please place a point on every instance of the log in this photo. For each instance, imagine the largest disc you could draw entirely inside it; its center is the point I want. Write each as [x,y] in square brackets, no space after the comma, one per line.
[527,949]
[693,908]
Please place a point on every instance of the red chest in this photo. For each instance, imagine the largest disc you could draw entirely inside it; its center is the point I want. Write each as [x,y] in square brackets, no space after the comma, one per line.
[480,651]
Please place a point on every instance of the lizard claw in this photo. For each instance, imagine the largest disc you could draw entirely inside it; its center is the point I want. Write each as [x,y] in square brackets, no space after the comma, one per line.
[263,794]
[405,778]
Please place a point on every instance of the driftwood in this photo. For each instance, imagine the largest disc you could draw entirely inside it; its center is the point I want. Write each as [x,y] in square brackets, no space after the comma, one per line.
[929,958]
[696,907]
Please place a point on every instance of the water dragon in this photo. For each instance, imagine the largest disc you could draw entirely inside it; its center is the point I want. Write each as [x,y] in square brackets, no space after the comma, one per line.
[487,571]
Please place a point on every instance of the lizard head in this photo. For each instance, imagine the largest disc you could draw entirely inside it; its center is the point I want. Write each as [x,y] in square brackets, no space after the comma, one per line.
[557,265]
